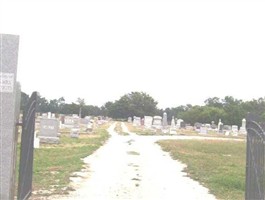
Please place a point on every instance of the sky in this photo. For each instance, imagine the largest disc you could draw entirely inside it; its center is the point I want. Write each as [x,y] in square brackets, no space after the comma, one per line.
[178,52]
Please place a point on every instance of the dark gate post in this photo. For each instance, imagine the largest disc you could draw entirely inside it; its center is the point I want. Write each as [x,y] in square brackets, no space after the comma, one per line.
[26,153]
[255,171]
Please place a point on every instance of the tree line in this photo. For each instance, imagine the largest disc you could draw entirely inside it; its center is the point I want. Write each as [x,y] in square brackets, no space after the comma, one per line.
[229,109]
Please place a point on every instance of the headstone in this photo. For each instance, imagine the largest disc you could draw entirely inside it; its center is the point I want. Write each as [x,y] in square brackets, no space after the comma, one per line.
[75,132]
[213,126]
[197,126]
[68,122]
[164,122]
[208,126]
[62,117]
[136,121]
[90,126]
[44,115]
[148,120]
[235,130]
[76,128]
[243,129]
[179,123]
[142,122]
[84,121]
[220,126]
[182,125]
[203,130]
[173,126]
[157,122]
[8,102]
[227,129]
[49,131]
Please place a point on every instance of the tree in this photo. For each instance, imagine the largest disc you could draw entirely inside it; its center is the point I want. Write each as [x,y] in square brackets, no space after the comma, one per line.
[54,106]
[108,108]
[214,102]
[132,104]
[61,104]
[234,111]
[42,104]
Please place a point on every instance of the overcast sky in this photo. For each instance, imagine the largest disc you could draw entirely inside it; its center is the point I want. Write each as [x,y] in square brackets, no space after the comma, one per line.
[178,52]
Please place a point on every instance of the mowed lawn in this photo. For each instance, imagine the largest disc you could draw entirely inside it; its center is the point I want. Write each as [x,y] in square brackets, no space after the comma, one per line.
[217,165]
[55,163]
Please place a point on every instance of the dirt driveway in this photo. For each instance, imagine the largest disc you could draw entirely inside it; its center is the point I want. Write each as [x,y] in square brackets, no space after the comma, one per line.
[134,167]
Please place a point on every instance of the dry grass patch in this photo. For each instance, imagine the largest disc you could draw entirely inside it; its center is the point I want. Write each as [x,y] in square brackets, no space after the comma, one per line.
[218,165]
[118,129]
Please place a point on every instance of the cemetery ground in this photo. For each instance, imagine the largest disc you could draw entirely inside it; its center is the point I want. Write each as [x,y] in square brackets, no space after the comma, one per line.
[216,163]
[131,166]
[54,164]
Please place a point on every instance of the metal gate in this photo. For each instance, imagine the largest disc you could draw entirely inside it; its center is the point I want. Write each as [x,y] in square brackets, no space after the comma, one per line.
[255,176]
[26,153]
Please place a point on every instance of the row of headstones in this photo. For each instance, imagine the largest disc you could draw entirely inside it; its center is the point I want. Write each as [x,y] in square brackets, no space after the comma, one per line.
[158,122]
[227,130]
[70,121]
[220,128]
[49,127]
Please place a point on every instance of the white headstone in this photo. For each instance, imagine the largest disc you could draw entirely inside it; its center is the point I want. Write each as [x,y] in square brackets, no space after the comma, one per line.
[164,122]
[173,126]
[235,130]
[220,126]
[157,122]
[136,121]
[243,128]
[179,123]
[148,120]
[203,130]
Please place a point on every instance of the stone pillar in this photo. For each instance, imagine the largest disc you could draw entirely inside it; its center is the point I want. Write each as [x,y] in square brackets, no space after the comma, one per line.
[8,112]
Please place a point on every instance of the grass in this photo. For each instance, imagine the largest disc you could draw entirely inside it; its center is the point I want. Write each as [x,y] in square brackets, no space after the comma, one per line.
[218,165]
[140,130]
[118,129]
[55,163]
